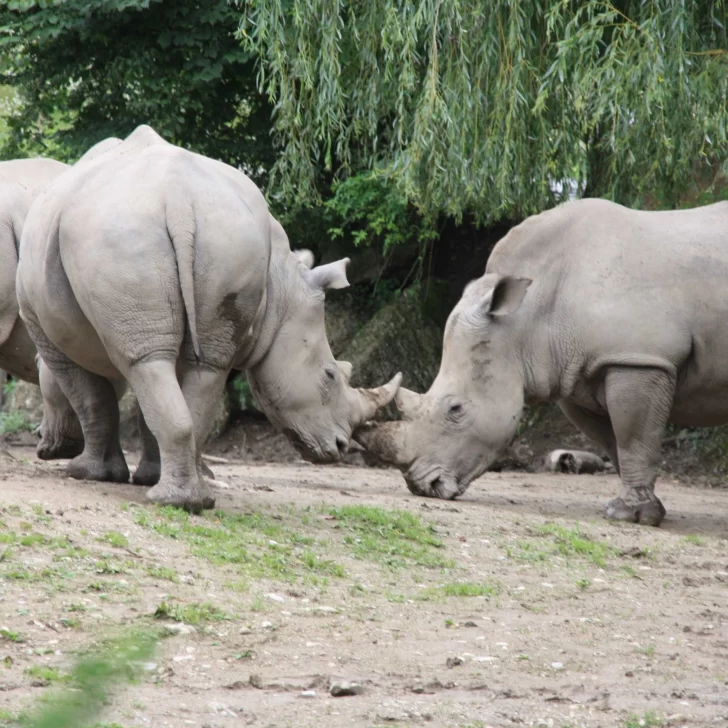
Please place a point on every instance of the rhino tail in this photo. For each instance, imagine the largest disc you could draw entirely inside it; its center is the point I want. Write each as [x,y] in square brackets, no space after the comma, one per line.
[181,228]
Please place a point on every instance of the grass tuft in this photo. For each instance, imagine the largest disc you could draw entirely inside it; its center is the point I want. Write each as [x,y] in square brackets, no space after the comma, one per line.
[396,538]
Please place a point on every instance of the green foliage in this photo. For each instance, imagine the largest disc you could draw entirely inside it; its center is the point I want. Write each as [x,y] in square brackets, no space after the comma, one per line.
[242,393]
[85,71]
[374,212]
[91,683]
[13,422]
[496,108]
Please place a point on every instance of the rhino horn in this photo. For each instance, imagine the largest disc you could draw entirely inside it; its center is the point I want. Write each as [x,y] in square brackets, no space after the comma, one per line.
[408,402]
[384,442]
[374,399]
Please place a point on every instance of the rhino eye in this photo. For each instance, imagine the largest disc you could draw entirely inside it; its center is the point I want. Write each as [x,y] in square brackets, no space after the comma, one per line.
[455,411]
[331,374]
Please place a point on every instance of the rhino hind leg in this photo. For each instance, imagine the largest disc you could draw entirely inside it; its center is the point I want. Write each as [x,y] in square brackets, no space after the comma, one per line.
[149,469]
[595,426]
[93,399]
[172,424]
[639,401]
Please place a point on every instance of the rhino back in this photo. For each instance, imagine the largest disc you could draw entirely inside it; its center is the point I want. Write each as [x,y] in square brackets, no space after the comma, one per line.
[619,286]
[115,221]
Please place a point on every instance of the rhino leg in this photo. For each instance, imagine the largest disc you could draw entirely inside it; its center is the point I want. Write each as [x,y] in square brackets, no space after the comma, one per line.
[60,431]
[595,426]
[149,469]
[639,401]
[93,399]
[203,389]
[168,417]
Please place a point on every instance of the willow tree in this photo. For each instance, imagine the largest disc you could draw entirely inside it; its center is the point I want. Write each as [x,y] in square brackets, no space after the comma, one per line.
[494,108]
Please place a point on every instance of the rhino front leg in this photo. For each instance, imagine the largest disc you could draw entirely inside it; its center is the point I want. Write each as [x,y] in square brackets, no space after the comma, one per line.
[169,419]
[639,401]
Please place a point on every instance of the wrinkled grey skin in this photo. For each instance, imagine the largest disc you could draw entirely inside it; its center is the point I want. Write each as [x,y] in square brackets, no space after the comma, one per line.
[163,268]
[618,315]
[20,182]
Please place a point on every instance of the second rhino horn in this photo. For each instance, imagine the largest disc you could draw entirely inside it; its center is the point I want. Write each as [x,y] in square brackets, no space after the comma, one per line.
[374,399]
[408,402]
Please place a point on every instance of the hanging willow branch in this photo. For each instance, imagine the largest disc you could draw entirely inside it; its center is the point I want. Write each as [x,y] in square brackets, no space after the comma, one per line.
[488,107]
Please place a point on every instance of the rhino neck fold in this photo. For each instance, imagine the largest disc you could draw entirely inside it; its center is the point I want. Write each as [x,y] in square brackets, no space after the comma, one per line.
[268,317]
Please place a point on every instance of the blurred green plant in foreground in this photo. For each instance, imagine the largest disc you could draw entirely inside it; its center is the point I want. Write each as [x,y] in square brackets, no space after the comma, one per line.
[92,681]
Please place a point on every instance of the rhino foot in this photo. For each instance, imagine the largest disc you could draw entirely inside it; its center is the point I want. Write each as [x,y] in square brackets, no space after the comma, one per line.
[646,513]
[112,469]
[147,473]
[194,500]
[60,449]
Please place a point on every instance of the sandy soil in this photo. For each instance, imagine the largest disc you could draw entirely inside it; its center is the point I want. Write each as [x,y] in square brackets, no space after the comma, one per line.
[524,608]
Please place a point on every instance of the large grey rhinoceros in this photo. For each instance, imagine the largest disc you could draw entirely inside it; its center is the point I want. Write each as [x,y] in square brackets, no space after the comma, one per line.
[21,181]
[619,315]
[163,268]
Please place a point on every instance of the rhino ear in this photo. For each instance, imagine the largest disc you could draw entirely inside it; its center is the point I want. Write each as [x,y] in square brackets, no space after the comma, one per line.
[346,369]
[331,275]
[506,297]
[305,256]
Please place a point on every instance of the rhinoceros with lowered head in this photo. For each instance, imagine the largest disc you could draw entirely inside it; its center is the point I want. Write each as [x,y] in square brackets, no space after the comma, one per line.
[163,268]
[618,315]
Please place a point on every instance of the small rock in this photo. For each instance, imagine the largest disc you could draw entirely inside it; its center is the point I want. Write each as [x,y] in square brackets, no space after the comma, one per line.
[308,693]
[629,673]
[454,661]
[470,624]
[276,598]
[557,665]
[245,630]
[342,689]
[179,629]
[267,625]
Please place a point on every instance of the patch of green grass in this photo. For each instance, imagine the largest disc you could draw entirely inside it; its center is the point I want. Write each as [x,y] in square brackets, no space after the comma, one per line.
[10,636]
[190,613]
[116,539]
[694,539]
[572,542]
[584,584]
[647,651]
[467,589]
[398,539]
[163,572]
[649,720]
[256,545]
[45,674]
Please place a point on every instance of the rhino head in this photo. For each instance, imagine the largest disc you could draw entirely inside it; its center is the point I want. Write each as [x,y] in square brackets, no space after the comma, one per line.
[299,385]
[451,434]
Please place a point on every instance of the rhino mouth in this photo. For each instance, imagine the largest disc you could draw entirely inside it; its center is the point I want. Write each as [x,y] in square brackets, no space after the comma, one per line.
[313,452]
[442,485]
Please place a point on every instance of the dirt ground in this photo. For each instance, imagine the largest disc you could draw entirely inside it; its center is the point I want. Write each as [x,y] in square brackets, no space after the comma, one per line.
[517,605]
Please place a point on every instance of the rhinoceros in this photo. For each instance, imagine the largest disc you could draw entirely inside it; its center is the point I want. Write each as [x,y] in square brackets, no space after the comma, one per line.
[619,315]
[21,181]
[163,268]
